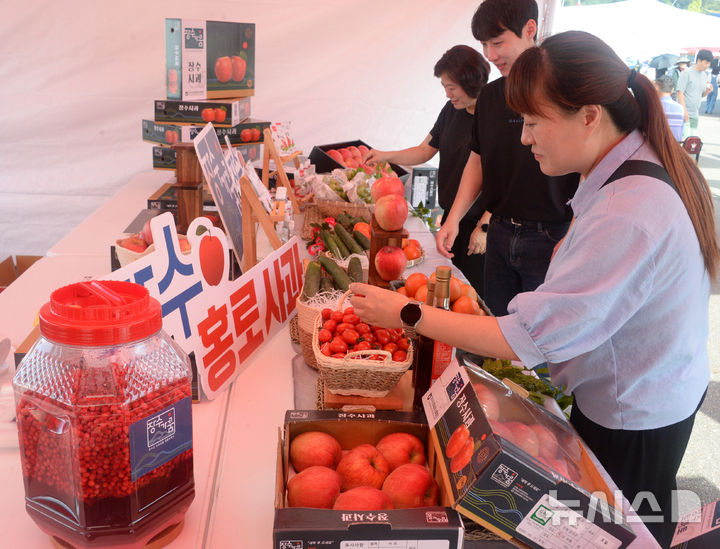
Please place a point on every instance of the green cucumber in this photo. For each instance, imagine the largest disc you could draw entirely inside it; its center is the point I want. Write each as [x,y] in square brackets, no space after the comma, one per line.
[338,274]
[363,240]
[344,252]
[312,279]
[330,244]
[354,270]
[352,245]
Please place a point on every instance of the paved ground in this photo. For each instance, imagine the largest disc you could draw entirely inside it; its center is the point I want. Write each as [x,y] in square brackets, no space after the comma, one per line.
[700,470]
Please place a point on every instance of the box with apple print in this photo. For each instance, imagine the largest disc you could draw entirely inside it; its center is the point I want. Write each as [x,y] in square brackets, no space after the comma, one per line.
[352,479]
[222,113]
[209,59]
[518,469]
[164,158]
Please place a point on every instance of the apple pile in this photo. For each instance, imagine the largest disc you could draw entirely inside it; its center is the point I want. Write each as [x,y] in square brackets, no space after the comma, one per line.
[390,475]
[463,297]
[342,332]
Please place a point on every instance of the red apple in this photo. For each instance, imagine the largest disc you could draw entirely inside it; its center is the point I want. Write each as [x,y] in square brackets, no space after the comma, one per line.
[346,154]
[488,401]
[208,115]
[363,149]
[133,243]
[390,262]
[547,440]
[184,244]
[315,486]
[457,440]
[525,438]
[223,69]
[239,66]
[314,448]
[212,259]
[411,485]
[401,448]
[363,498]
[336,156]
[391,211]
[385,186]
[246,135]
[364,465]
[500,429]
[461,460]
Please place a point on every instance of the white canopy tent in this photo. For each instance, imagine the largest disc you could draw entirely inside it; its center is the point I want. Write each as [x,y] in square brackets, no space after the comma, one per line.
[641,29]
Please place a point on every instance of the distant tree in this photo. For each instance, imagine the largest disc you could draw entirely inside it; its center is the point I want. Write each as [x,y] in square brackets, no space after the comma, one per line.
[700,6]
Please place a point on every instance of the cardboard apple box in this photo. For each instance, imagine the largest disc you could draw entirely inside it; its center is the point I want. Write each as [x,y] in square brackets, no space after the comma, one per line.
[517,469]
[209,59]
[247,132]
[333,529]
[164,158]
[221,113]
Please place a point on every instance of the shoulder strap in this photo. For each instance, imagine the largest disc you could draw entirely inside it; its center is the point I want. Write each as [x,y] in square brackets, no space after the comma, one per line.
[641,167]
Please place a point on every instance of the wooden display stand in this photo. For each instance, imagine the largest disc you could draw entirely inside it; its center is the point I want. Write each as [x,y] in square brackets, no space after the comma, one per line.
[378,239]
[252,212]
[270,151]
[189,186]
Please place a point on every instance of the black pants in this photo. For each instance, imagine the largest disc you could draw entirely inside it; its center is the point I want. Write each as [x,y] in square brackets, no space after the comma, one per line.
[641,461]
[472,266]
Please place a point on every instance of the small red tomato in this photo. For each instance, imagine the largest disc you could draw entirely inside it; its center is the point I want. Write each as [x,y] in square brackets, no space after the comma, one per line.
[350,336]
[351,318]
[337,345]
[337,316]
[325,349]
[383,336]
[363,346]
[344,326]
[390,347]
[377,357]
[349,311]
[362,328]
[403,343]
[393,336]
[330,325]
[326,312]
[399,356]
[370,338]
[324,335]
[338,355]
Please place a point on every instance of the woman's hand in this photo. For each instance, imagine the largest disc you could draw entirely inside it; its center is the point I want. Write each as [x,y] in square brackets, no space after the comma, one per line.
[445,238]
[377,306]
[478,242]
[373,156]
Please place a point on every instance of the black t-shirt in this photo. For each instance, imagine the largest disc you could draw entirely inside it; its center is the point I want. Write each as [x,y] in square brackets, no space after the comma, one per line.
[451,135]
[513,185]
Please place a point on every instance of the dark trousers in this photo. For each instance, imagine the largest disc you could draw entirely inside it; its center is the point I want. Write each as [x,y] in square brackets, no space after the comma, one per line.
[472,266]
[517,258]
[641,462]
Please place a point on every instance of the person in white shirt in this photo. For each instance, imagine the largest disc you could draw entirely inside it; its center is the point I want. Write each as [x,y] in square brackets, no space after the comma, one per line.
[692,86]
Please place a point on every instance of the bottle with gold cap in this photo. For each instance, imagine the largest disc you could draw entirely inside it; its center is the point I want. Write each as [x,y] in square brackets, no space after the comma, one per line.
[442,352]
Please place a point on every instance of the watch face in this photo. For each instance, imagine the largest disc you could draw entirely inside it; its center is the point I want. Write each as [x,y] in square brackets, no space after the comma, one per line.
[410,313]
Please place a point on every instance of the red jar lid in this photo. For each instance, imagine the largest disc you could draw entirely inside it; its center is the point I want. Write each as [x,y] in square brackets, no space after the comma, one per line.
[100,313]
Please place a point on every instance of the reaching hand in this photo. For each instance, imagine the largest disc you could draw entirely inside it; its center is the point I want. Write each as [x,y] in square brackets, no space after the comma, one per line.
[377,306]
[445,238]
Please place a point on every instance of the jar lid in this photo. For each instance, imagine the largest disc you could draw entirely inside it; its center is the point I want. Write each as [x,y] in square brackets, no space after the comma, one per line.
[100,313]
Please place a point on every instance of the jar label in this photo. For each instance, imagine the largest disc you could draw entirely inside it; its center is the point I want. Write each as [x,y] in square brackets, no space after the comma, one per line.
[158,438]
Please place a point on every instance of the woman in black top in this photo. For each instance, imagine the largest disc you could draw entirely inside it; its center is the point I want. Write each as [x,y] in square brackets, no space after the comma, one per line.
[462,72]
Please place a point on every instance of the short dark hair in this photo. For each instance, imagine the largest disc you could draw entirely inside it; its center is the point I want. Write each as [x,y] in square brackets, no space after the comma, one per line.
[704,55]
[493,17]
[465,66]
[665,83]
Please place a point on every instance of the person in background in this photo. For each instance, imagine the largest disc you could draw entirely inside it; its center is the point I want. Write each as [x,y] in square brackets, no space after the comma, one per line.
[529,209]
[462,72]
[692,86]
[680,66]
[714,75]
[674,111]
[622,316]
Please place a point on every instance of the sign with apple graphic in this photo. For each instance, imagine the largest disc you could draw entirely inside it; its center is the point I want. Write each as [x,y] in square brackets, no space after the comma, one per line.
[224,322]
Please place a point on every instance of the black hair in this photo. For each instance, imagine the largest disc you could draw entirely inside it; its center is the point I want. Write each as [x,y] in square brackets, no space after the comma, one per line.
[465,66]
[704,55]
[493,17]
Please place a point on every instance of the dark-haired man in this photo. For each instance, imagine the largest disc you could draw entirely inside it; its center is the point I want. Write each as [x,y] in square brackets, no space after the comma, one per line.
[692,86]
[529,209]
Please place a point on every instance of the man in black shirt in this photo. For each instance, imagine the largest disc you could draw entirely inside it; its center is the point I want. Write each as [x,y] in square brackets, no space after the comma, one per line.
[529,209]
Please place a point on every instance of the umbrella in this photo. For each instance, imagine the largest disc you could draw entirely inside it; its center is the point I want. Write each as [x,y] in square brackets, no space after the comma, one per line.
[664,61]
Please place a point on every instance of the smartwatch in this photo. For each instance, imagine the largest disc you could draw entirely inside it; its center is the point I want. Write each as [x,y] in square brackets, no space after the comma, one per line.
[410,315]
[484,227]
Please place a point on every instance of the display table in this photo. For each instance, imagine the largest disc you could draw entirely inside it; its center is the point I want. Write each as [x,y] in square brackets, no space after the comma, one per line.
[234,436]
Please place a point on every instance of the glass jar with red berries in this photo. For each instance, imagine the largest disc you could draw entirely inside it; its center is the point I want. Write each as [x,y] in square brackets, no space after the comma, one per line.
[103,403]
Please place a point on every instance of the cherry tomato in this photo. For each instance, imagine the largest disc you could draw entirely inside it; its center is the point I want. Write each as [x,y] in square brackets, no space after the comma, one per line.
[338,355]
[325,349]
[403,343]
[344,326]
[350,336]
[383,336]
[349,311]
[397,331]
[362,328]
[337,316]
[338,345]
[399,356]
[324,335]
[330,325]
[390,347]
[393,336]
[326,312]
[351,318]
[363,346]
[370,338]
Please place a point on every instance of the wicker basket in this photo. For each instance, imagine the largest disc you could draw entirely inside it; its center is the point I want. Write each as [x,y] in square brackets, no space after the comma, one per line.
[306,325]
[358,375]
